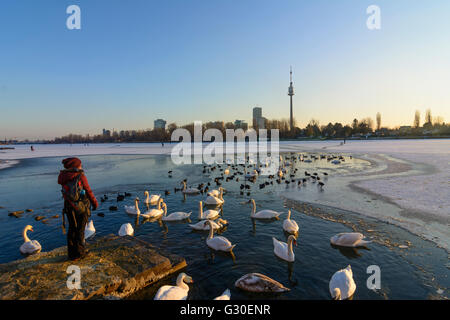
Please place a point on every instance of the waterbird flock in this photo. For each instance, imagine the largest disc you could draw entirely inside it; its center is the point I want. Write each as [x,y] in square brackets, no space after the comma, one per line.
[341,285]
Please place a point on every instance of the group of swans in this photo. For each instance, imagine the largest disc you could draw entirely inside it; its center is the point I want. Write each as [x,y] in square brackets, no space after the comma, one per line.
[160,211]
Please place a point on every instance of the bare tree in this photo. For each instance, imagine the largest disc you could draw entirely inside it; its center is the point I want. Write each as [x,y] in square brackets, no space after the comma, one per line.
[378,121]
[428,117]
[438,121]
[417,119]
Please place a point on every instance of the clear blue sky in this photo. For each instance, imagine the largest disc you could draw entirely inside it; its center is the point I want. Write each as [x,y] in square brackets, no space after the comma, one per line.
[135,61]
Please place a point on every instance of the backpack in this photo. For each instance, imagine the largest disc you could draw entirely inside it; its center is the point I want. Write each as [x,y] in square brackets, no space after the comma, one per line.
[72,190]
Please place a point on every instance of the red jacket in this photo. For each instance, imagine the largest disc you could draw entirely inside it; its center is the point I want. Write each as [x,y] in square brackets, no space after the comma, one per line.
[67,175]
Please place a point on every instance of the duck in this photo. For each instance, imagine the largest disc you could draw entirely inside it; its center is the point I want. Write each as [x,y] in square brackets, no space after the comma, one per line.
[29,246]
[90,230]
[126,230]
[226,295]
[175,216]
[133,209]
[342,286]
[208,214]
[257,282]
[201,226]
[212,200]
[284,250]
[289,225]
[153,199]
[178,292]
[263,214]
[156,213]
[218,243]
[349,239]
[189,190]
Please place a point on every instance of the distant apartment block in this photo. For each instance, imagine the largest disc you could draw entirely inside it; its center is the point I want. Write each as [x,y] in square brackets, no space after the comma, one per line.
[159,124]
[241,124]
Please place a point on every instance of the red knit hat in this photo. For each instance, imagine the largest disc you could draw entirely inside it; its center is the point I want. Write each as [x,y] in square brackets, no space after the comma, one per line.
[71,163]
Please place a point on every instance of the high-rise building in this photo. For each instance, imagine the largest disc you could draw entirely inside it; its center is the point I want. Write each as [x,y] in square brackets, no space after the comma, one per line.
[258,120]
[159,124]
[291,94]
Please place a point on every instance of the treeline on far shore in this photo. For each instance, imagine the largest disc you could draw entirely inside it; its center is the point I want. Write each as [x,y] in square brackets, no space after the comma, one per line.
[358,129]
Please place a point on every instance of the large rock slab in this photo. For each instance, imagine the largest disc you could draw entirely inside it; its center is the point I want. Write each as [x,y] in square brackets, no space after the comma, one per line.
[115,268]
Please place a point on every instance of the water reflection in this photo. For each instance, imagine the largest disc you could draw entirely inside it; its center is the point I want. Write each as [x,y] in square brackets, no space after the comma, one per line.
[349,252]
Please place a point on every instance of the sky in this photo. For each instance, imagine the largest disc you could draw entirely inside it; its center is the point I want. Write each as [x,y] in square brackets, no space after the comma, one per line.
[185,60]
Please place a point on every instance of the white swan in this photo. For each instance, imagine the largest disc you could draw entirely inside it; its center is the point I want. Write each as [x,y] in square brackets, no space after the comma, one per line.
[257,282]
[126,230]
[263,214]
[212,200]
[289,225]
[349,239]
[189,190]
[284,250]
[342,285]
[208,214]
[215,192]
[155,213]
[178,292]
[201,226]
[176,216]
[226,295]
[29,246]
[218,243]
[90,230]
[133,209]
[153,199]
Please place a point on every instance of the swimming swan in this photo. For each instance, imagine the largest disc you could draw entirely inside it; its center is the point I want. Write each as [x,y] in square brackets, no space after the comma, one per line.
[200,226]
[263,214]
[126,230]
[90,230]
[208,214]
[212,200]
[153,199]
[289,225]
[342,285]
[189,190]
[226,295]
[133,209]
[257,282]
[29,246]
[178,292]
[284,250]
[176,216]
[349,239]
[155,213]
[218,243]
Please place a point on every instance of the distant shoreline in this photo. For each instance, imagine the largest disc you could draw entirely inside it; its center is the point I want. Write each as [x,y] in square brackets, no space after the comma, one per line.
[284,139]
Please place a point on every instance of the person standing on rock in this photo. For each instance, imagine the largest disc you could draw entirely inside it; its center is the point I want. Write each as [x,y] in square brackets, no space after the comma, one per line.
[78,200]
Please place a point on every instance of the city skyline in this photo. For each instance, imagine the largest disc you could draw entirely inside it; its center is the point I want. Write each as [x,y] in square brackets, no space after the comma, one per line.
[216,63]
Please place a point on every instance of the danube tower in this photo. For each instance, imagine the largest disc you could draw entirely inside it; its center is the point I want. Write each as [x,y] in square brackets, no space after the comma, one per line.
[290,94]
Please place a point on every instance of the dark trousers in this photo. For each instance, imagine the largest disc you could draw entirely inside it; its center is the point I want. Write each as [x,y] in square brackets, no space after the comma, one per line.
[75,234]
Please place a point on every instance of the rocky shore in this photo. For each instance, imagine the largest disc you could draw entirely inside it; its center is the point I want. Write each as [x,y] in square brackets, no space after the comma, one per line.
[115,268]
